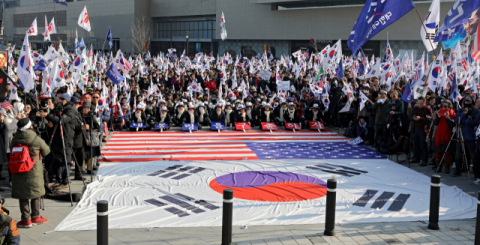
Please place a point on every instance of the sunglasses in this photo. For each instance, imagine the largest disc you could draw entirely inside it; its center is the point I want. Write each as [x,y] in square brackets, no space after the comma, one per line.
[96,97]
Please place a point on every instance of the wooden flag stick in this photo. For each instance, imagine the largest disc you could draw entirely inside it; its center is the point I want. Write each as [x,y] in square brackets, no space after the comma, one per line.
[426,33]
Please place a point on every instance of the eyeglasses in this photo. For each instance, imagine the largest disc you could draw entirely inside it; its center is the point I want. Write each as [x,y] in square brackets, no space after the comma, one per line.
[96,97]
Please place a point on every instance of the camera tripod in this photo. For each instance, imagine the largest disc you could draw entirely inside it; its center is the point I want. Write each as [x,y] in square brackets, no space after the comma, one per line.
[64,150]
[459,133]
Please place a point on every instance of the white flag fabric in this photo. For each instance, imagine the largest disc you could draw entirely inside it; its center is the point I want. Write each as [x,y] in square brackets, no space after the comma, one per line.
[25,66]
[83,20]
[59,75]
[46,34]
[431,25]
[434,76]
[51,55]
[222,20]
[63,55]
[33,30]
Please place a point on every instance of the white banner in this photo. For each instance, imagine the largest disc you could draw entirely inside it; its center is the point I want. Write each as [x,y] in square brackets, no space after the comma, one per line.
[265,75]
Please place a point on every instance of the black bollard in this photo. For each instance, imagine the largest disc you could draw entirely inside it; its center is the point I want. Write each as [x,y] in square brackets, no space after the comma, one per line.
[227,217]
[102,222]
[330,210]
[477,226]
[434,203]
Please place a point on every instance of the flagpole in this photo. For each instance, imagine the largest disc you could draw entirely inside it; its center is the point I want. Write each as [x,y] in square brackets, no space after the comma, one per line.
[426,33]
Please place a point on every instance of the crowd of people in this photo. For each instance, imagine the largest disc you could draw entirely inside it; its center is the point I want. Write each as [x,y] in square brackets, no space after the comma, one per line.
[67,119]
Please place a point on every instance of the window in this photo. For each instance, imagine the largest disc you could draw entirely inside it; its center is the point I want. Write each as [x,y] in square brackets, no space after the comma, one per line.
[203,29]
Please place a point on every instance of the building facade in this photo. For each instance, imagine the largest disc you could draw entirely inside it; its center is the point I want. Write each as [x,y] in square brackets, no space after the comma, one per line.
[253,26]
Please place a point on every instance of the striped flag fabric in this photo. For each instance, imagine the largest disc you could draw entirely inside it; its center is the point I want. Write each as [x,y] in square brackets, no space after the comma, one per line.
[228,145]
[6,105]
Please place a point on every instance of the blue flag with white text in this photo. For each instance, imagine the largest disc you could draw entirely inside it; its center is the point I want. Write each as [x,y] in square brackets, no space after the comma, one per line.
[114,75]
[460,10]
[109,38]
[407,94]
[376,15]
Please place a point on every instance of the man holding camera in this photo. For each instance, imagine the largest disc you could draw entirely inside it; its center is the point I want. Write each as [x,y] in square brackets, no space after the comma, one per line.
[466,119]
[64,114]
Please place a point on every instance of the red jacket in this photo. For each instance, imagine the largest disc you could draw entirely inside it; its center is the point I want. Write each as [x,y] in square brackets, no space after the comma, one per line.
[211,85]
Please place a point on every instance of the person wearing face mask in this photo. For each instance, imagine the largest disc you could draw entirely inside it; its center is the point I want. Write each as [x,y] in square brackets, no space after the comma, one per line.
[202,114]
[420,120]
[139,116]
[164,117]
[228,114]
[279,112]
[252,113]
[291,114]
[177,117]
[466,119]
[241,115]
[266,115]
[190,117]
[218,115]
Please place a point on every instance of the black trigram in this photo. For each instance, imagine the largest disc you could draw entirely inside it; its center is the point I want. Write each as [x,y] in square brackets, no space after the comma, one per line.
[381,200]
[178,206]
[177,172]
[338,169]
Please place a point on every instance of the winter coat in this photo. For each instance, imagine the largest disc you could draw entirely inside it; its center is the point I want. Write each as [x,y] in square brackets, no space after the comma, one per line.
[214,117]
[469,122]
[296,118]
[30,185]
[95,149]
[9,234]
[167,119]
[380,112]
[239,118]
[263,117]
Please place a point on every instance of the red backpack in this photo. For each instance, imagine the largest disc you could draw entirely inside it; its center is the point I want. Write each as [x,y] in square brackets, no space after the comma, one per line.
[20,160]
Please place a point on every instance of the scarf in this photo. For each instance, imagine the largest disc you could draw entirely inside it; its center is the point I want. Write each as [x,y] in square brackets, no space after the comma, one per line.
[162,116]
[249,113]
[192,117]
[202,111]
[443,133]
[180,113]
[282,112]
[138,115]
[291,114]
[267,113]
[219,112]
[244,117]
[364,127]
[315,113]
[227,116]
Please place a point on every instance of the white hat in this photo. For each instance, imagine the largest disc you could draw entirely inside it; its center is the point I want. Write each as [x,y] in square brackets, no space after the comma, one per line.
[264,103]
[140,107]
[162,101]
[240,107]
[200,104]
[315,106]
[180,104]
[191,106]
[291,103]
[164,108]
[228,103]
[249,104]
[219,105]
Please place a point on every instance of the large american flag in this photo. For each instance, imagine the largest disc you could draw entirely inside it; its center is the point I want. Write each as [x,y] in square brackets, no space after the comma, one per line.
[227,145]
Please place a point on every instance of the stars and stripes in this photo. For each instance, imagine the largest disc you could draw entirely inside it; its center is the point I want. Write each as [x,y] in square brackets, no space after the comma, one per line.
[152,146]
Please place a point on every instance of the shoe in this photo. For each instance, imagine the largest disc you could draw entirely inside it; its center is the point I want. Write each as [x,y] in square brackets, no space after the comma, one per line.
[39,220]
[79,178]
[95,167]
[422,164]
[477,182]
[447,169]
[414,160]
[61,187]
[24,224]
[104,139]
[89,172]
[453,165]
[56,185]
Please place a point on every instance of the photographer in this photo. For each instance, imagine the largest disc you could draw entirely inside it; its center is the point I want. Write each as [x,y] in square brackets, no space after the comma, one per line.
[466,119]
[64,114]
[78,143]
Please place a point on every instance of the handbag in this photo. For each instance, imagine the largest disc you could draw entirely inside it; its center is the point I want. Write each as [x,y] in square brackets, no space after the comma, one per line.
[95,141]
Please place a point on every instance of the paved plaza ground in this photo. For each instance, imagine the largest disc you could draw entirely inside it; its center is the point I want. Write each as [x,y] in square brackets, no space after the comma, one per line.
[451,232]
